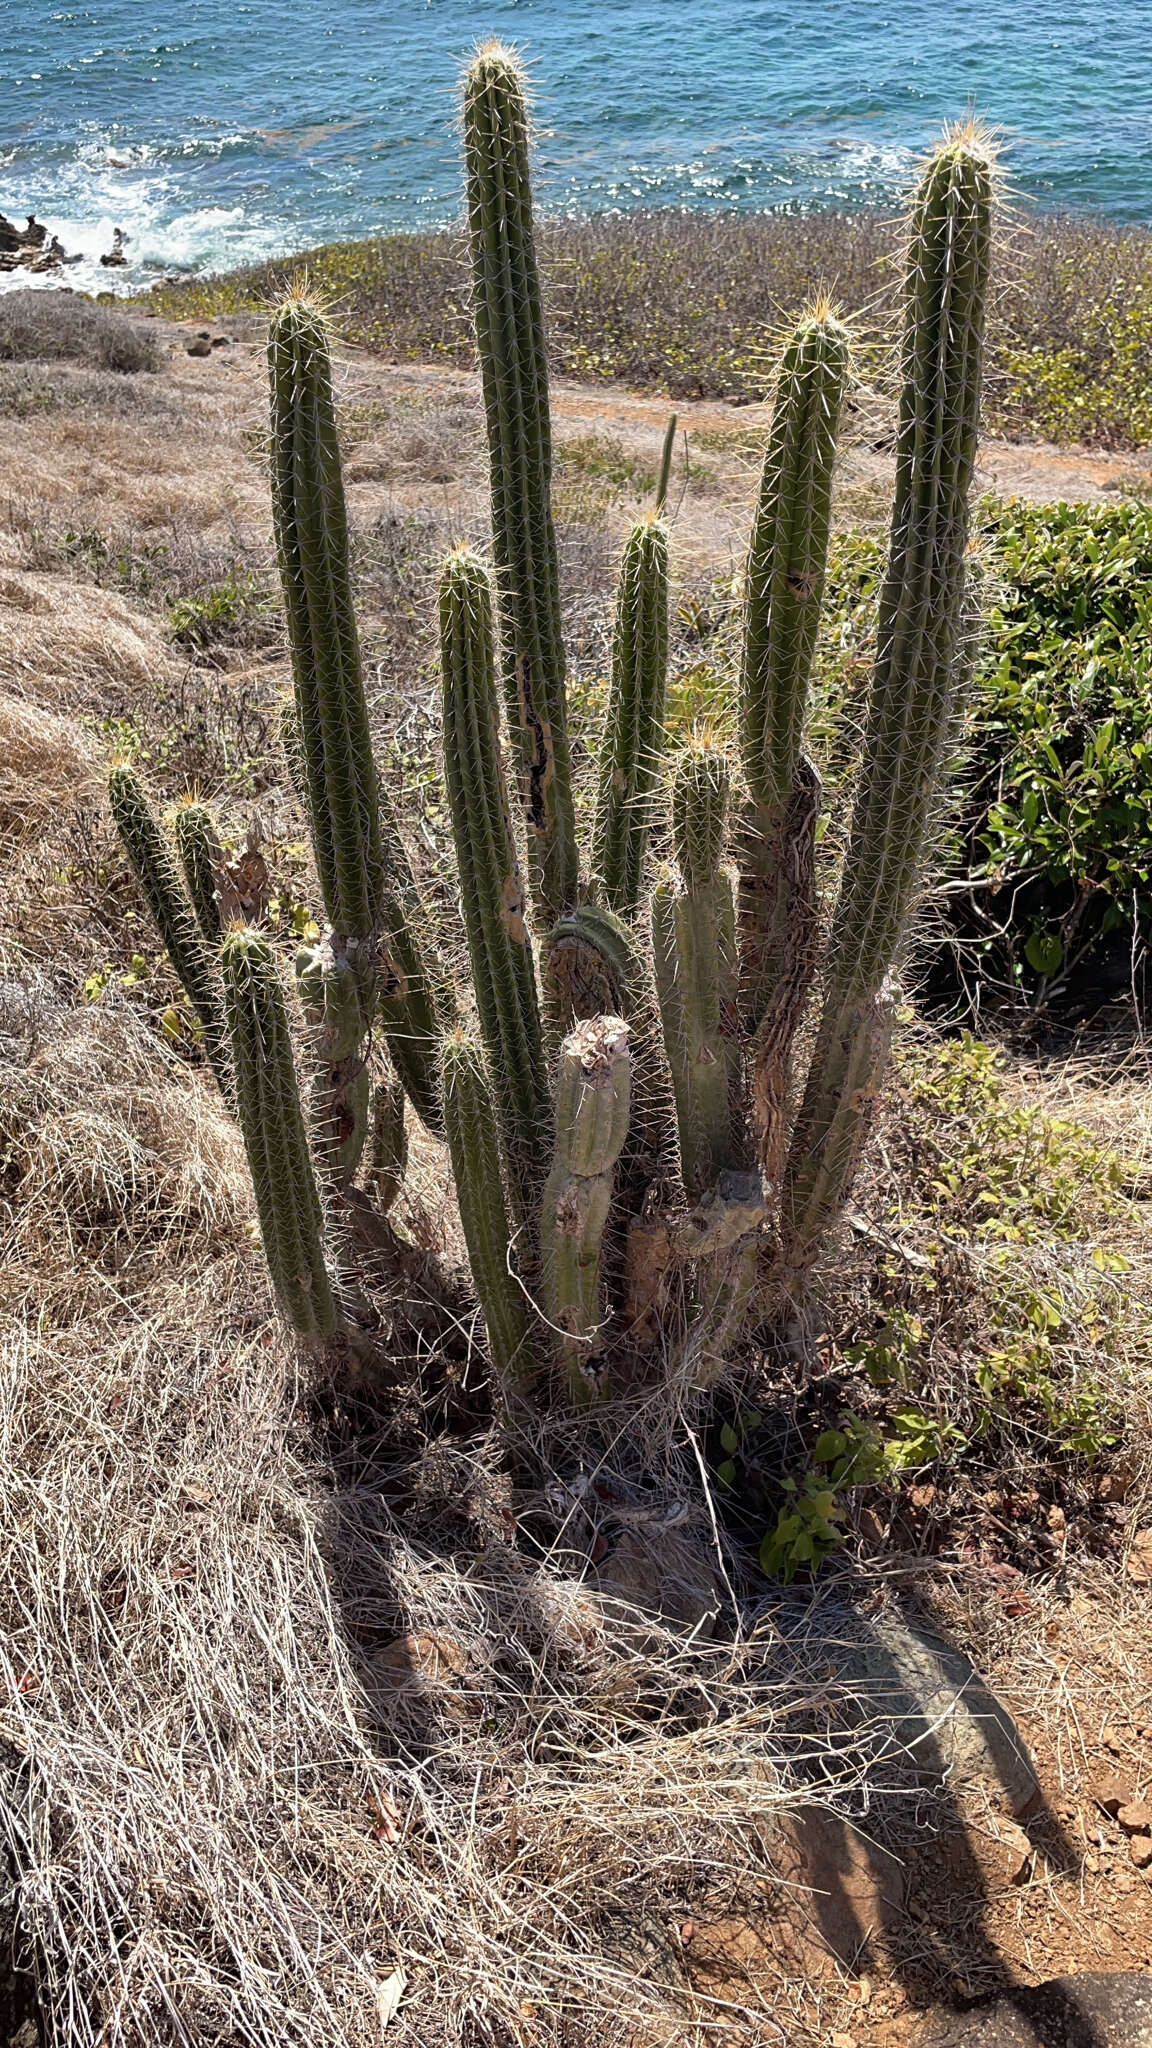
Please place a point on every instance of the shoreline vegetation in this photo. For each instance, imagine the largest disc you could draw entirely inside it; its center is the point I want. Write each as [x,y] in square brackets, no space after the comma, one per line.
[695,304]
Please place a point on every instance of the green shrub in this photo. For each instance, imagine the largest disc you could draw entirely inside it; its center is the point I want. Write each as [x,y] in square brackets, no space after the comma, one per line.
[1057,823]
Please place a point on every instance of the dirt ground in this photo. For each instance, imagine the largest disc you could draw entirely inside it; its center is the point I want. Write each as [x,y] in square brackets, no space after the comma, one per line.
[180,462]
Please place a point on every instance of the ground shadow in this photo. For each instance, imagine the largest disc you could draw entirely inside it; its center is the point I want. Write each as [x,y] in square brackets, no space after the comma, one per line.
[890,1729]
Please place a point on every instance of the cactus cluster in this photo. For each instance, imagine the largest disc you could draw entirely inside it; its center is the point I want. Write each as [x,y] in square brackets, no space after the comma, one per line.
[619,1118]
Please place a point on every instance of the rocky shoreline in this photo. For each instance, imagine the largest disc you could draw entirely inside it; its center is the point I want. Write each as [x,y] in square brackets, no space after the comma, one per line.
[32,248]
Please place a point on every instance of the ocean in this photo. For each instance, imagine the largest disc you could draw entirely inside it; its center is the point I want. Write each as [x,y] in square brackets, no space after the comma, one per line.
[215,132]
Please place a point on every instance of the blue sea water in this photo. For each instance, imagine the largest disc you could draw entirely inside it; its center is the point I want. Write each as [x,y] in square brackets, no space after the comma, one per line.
[217,131]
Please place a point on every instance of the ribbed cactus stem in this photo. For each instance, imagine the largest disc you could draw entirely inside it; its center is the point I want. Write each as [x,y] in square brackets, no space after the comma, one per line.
[913,700]
[634,731]
[593,1102]
[272,1122]
[292,747]
[784,591]
[336,983]
[510,338]
[202,859]
[470,1124]
[387,1144]
[694,949]
[315,569]
[491,890]
[365,878]
[192,958]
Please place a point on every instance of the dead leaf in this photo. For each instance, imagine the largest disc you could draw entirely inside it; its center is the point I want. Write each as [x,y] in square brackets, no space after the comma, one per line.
[389,1994]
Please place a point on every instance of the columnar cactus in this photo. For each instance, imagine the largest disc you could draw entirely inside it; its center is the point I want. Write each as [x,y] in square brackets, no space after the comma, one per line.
[491,891]
[470,1123]
[913,698]
[593,1100]
[156,871]
[579,1225]
[694,947]
[271,1119]
[514,372]
[365,878]
[202,859]
[634,731]
[784,592]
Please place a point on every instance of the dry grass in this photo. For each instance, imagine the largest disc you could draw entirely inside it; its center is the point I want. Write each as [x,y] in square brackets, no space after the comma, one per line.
[37,326]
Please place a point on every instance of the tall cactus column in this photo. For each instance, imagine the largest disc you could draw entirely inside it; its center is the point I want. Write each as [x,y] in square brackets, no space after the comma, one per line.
[271,1119]
[372,951]
[634,731]
[491,890]
[913,699]
[787,562]
[694,947]
[510,338]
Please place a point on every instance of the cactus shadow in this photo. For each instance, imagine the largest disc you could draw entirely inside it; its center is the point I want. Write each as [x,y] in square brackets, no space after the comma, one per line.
[910,1898]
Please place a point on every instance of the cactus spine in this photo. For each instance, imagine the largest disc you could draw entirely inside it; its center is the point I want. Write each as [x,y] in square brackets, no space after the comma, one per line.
[472,1143]
[271,1119]
[593,1100]
[913,688]
[492,894]
[694,946]
[364,875]
[158,876]
[634,731]
[510,337]
[202,859]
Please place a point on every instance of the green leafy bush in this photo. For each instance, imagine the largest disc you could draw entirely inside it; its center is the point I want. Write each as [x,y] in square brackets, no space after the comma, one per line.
[1057,822]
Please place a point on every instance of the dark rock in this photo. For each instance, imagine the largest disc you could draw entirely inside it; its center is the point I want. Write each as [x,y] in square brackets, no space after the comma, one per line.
[222,341]
[199,348]
[1101,2009]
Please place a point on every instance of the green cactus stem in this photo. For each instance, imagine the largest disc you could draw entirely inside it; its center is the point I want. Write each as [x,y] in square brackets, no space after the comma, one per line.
[593,1099]
[335,984]
[292,747]
[387,1145]
[665,475]
[470,1123]
[694,950]
[202,859]
[594,965]
[491,891]
[914,687]
[272,1122]
[634,732]
[365,878]
[159,878]
[510,338]
[784,592]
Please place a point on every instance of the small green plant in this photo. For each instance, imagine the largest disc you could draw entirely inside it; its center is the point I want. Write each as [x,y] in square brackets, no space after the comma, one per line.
[213,614]
[810,1525]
